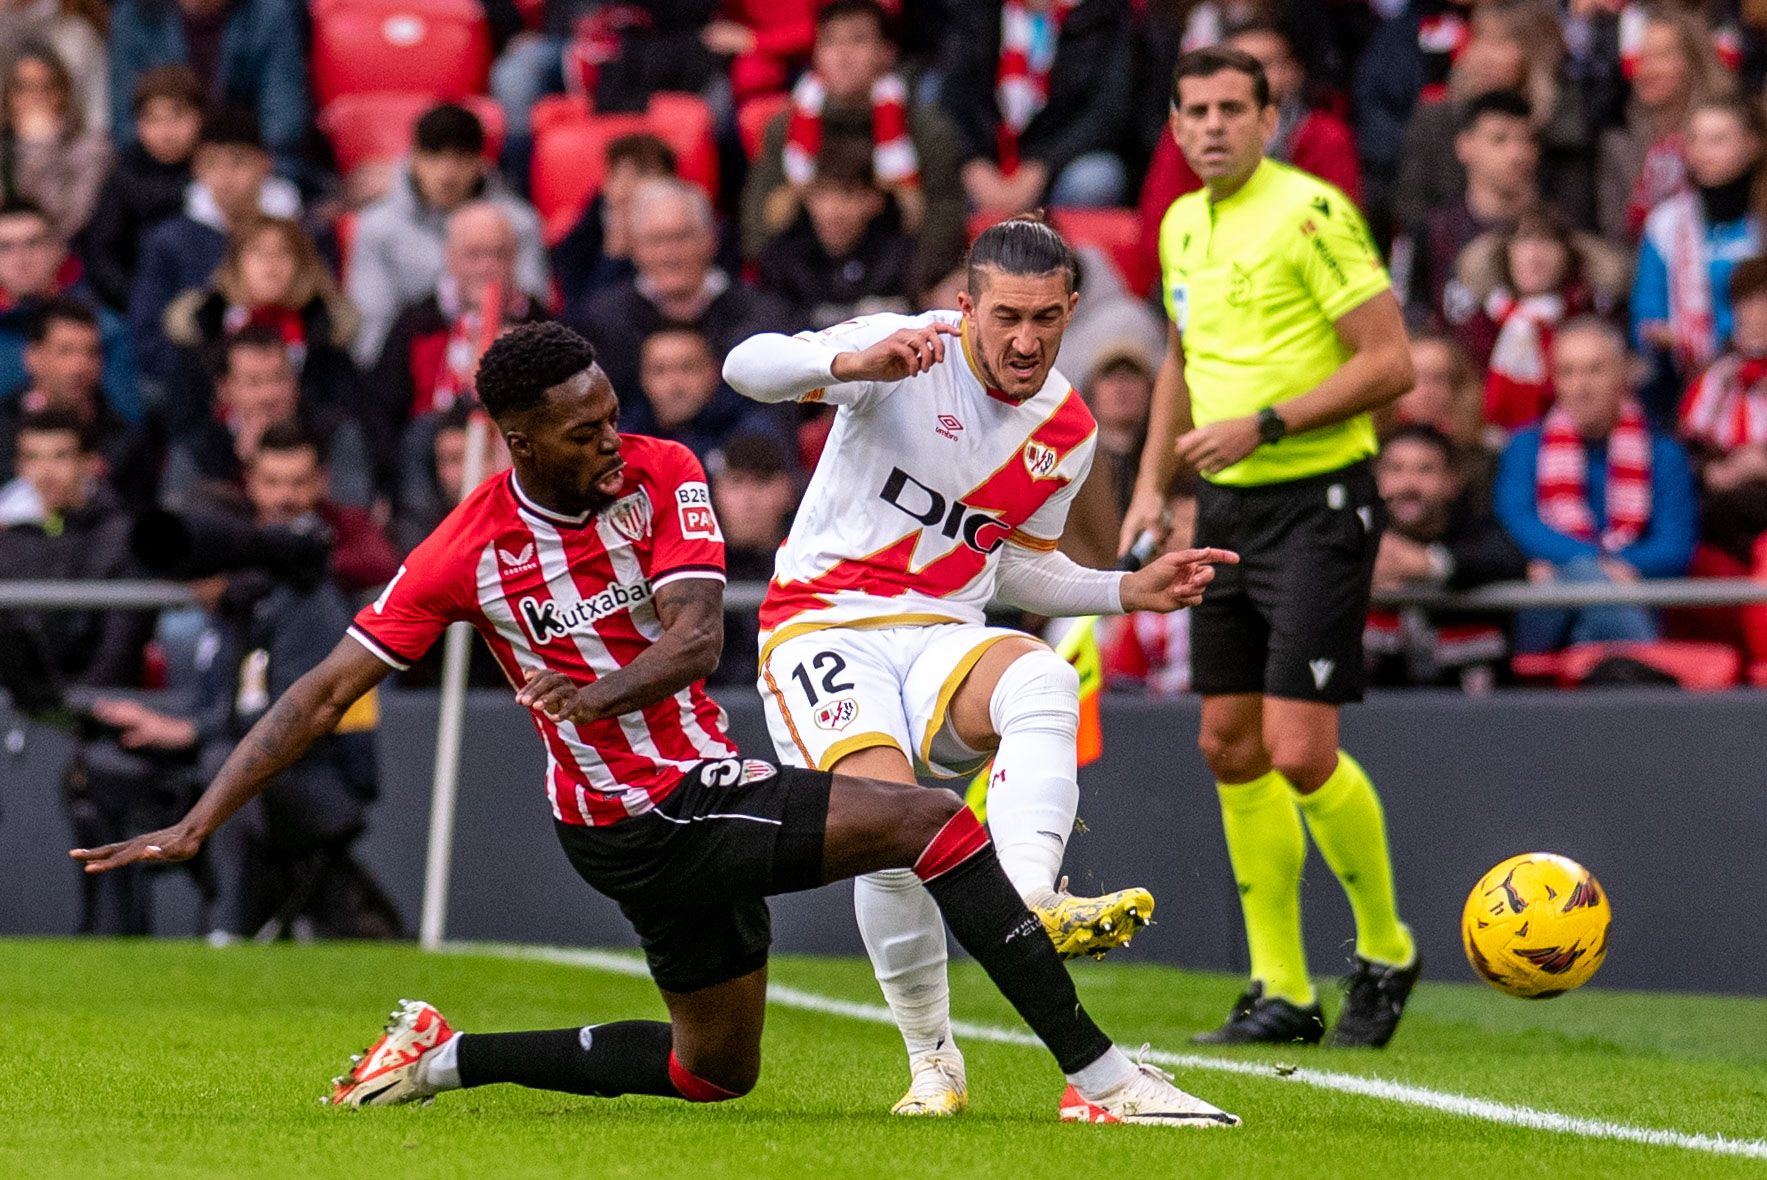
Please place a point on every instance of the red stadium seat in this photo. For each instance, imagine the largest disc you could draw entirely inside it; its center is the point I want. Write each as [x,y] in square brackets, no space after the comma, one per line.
[752,119]
[1700,666]
[369,127]
[439,48]
[570,151]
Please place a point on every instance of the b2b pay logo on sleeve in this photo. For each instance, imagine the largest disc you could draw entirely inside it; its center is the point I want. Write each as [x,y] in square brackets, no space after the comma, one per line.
[693,501]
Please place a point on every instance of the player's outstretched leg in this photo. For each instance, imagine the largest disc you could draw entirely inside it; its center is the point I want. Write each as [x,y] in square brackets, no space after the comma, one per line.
[1033,707]
[871,824]
[710,1051]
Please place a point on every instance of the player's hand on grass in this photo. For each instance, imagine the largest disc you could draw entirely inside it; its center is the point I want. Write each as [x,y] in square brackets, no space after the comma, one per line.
[167,844]
[1173,581]
[553,695]
[898,356]
[1219,445]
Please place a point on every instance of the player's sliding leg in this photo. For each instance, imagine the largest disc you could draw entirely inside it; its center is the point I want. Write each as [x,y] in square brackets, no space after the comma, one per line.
[1343,812]
[905,937]
[708,1051]
[1267,848]
[872,824]
[1023,701]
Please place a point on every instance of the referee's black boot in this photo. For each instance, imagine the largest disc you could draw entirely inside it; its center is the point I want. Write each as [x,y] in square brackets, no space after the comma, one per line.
[1374,999]
[1258,1019]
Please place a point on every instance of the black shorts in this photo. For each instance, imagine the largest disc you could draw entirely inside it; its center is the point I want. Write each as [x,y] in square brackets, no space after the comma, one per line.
[693,874]
[1287,620]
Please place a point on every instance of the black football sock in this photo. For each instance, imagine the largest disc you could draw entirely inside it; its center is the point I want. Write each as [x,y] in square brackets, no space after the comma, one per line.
[991,922]
[603,1060]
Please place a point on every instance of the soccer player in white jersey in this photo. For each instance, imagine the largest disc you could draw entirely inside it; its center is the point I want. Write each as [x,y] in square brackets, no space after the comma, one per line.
[944,485]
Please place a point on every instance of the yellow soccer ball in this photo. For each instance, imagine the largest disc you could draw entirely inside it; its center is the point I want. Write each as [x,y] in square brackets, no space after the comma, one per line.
[1536,926]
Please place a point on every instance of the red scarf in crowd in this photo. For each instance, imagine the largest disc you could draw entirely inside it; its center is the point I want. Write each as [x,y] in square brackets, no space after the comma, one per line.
[1518,383]
[469,335]
[1561,479]
[1441,35]
[1663,174]
[1021,85]
[1691,314]
[1726,407]
[893,157]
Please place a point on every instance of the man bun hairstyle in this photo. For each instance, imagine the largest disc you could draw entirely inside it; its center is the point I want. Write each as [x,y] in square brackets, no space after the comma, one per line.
[1215,59]
[523,363]
[1022,245]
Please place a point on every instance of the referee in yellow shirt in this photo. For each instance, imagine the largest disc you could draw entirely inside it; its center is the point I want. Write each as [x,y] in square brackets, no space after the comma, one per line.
[1284,336]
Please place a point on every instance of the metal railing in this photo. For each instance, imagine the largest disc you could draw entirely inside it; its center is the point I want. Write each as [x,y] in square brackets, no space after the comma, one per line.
[31,594]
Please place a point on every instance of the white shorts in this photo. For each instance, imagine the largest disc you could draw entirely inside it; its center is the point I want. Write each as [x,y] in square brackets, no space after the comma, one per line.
[834,691]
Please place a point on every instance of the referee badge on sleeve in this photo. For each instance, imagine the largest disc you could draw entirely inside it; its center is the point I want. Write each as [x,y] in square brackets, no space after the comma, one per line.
[1180,304]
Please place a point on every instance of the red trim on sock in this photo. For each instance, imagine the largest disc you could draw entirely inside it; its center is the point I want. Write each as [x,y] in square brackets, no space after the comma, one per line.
[695,1089]
[961,838]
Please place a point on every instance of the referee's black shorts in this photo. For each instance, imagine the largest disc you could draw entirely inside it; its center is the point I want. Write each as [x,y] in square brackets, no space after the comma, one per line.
[1287,620]
[693,874]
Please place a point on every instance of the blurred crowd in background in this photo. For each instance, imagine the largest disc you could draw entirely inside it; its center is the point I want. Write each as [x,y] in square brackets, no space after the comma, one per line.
[251,250]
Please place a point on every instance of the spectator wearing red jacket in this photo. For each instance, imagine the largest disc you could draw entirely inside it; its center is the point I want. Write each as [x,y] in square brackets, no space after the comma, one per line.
[1314,141]
[764,40]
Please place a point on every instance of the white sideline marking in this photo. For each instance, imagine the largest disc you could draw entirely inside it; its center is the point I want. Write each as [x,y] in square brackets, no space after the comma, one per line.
[1463,1105]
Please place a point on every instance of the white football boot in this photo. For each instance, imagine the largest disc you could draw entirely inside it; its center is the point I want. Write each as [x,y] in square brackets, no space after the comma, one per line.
[1149,1097]
[386,1073]
[939,1088]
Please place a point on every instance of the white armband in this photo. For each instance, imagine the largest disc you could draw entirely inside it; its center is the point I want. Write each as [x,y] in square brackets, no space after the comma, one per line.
[1050,583]
[775,368]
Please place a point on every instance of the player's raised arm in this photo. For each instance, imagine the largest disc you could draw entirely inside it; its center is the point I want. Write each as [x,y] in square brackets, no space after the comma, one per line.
[310,709]
[691,611]
[775,368]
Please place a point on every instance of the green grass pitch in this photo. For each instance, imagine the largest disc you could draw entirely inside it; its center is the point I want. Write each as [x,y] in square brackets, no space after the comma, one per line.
[122,1059]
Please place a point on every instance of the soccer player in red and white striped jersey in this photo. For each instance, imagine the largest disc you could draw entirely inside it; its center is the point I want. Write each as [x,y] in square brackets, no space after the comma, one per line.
[594,569]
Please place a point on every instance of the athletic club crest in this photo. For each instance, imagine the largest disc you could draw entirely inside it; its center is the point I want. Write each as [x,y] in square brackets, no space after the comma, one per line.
[837,714]
[1040,460]
[630,516]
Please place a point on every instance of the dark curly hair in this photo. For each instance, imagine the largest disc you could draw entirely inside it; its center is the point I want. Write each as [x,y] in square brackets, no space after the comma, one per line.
[523,363]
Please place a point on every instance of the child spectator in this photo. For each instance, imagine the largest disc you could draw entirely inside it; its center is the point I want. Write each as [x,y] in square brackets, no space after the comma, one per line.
[851,90]
[233,185]
[847,254]
[272,276]
[396,259]
[688,399]
[75,30]
[148,183]
[47,153]
[1526,281]
[1680,309]
[597,252]
[1593,494]
[35,269]
[1724,423]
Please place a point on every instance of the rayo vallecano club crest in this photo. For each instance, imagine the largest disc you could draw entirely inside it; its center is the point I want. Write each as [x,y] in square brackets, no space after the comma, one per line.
[1041,460]
[837,714]
[630,516]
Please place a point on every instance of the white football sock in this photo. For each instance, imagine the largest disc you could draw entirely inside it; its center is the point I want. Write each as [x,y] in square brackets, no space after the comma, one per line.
[1103,1075]
[439,1069]
[905,937]
[1034,791]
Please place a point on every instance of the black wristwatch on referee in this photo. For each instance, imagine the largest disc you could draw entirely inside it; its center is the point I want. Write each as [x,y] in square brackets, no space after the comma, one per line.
[1271,427]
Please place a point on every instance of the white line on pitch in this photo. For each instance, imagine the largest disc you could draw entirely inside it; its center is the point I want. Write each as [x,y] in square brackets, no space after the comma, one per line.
[1463,1105]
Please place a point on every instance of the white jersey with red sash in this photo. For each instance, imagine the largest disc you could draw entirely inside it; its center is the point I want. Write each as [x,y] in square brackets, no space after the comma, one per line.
[573,594]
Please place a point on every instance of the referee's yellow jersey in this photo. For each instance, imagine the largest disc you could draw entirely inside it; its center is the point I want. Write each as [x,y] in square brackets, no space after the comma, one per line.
[1255,283]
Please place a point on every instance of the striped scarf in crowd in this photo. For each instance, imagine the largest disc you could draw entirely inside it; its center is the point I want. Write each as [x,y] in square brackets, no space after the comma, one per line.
[1518,384]
[1561,479]
[1726,407]
[1021,85]
[1442,32]
[1691,314]
[893,157]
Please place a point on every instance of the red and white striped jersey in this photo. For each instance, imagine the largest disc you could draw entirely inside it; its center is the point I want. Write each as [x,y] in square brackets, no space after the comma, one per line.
[920,484]
[573,594]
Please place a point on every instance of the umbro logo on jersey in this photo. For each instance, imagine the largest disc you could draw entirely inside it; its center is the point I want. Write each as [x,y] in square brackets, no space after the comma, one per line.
[513,560]
[948,427]
[546,620]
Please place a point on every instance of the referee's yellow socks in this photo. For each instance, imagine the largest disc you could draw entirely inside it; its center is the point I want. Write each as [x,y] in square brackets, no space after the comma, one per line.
[1267,847]
[1345,818]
